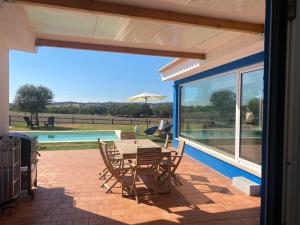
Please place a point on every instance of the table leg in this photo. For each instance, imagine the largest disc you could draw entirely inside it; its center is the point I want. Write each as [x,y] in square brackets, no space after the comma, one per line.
[124,184]
[165,177]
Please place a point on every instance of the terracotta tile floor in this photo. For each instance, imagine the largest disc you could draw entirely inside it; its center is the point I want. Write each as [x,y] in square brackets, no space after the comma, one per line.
[69,193]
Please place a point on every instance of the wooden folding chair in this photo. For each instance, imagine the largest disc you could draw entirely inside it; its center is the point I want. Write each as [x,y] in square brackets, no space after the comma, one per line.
[104,172]
[114,156]
[168,167]
[128,135]
[147,164]
[115,169]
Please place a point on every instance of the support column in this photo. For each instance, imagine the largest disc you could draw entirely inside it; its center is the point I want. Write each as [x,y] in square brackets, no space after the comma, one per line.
[4,90]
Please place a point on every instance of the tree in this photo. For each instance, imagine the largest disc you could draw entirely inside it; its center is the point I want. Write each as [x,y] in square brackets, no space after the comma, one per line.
[253,106]
[33,99]
[163,110]
[224,102]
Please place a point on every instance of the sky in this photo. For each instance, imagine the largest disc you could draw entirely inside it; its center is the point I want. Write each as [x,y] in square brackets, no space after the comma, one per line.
[88,76]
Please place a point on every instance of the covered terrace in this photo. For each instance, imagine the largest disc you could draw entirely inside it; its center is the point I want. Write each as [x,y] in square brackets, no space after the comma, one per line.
[205,34]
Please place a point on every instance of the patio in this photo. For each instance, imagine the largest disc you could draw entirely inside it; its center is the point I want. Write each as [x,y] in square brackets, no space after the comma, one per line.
[69,193]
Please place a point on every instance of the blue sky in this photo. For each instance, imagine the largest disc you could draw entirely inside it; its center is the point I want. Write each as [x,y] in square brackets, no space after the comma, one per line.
[88,76]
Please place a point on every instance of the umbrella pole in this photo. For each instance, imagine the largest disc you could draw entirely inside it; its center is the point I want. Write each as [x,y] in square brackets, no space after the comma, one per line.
[147,122]
[147,112]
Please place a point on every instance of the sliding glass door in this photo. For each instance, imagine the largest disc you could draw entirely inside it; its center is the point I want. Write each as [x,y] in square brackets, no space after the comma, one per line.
[251,116]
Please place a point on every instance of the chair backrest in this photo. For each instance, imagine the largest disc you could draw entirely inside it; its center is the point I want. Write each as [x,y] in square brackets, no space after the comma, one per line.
[180,147]
[178,158]
[27,120]
[127,135]
[101,147]
[51,120]
[167,141]
[103,152]
[148,156]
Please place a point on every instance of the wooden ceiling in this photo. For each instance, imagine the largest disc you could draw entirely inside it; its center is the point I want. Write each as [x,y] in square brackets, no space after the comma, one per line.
[151,14]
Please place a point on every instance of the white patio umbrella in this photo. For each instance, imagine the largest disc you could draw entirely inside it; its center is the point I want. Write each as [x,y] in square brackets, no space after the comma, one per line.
[146,97]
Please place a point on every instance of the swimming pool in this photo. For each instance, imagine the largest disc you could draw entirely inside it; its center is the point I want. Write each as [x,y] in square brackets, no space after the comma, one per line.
[73,136]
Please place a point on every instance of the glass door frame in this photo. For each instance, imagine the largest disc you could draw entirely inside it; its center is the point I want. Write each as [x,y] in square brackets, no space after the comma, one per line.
[240,72]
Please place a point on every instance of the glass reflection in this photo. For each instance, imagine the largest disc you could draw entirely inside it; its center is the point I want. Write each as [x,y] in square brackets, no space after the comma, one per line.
[207,112]
[251,116]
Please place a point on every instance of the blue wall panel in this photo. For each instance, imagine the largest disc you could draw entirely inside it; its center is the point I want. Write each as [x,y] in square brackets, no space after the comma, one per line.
[222,167]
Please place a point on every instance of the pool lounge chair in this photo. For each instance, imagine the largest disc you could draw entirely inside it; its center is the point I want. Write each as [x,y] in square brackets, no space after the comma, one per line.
[164,132]
[28,121]
[150,131]
[50,122]
[160,131]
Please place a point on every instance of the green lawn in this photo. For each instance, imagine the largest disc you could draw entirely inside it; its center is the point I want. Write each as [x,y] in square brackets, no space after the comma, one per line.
[80,127]
[83,145]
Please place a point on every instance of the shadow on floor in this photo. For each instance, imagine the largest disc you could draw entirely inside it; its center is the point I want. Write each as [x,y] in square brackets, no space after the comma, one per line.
[57,207]
[70,194]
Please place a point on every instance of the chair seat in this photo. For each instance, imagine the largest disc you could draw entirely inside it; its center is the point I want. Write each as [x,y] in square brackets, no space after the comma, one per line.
[145,171]
[166,163]
[116,167]
[115,157]
[142,170]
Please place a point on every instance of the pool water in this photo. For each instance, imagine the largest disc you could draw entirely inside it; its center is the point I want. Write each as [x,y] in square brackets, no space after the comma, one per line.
[73,136]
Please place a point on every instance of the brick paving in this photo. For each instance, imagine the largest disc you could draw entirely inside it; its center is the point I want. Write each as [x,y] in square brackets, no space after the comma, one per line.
[69,193]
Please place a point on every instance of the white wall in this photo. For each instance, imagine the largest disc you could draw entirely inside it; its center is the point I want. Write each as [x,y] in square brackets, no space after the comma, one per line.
[4,90]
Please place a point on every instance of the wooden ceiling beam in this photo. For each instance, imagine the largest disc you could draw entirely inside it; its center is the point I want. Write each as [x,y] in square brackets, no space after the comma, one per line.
[113,48]
[150,14]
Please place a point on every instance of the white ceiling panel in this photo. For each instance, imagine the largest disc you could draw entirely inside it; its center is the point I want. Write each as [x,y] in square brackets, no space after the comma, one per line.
[240,10]
[126,29]
[58,21]
[215,41]
[185,36]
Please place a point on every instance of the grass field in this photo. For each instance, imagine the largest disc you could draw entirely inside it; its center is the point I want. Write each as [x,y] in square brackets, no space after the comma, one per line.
[80,127]
[82,145]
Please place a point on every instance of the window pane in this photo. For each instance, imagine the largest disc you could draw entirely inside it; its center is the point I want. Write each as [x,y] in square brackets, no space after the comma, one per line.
[207,112]
[252,116]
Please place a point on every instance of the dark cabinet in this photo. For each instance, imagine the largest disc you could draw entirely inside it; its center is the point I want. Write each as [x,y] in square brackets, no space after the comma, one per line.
[29,160]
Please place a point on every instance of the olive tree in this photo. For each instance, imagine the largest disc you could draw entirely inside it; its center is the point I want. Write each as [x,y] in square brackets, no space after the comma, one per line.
[33,99]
